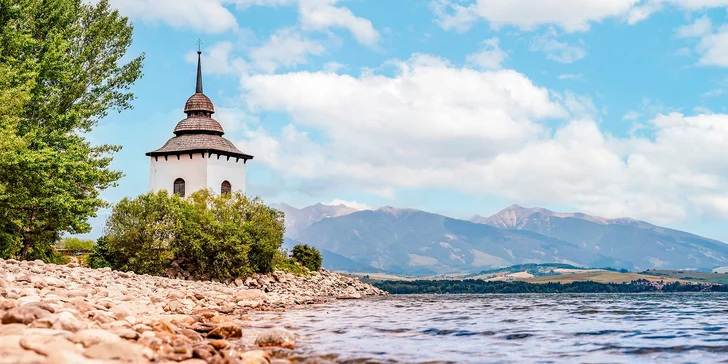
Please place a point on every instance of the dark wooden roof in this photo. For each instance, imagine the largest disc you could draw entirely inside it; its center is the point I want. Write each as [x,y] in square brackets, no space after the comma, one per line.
[199,143]
[199,102]
[199,133]
[198,124]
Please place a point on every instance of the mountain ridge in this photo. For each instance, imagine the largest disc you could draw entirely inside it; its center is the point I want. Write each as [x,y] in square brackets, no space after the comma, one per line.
[415,242]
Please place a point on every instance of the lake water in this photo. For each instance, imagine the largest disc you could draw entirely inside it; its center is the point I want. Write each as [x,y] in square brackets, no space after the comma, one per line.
[559,328]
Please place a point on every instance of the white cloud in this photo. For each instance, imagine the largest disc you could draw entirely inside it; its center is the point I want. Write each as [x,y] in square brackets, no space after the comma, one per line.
[439,126]
[353,204]
[333,66]
[699,28]
[489,56]
[324,14]
[571,76]
[209,16]
[218,60]
[450,15]
[556,50]
[286,48]
[569,15]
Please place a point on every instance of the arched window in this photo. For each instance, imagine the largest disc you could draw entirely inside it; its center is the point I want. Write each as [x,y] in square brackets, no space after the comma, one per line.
[225,187]
[179,187]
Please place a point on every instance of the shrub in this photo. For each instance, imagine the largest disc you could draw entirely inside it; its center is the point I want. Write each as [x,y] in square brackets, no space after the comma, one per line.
[76,244]
[308,256]
[281,261]
[222,237]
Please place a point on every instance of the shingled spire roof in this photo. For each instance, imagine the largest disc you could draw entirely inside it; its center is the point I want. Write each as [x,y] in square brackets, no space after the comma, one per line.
[199,132]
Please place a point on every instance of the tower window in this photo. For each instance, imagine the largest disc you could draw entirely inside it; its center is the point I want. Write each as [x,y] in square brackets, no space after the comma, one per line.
[179,187]
[225,187]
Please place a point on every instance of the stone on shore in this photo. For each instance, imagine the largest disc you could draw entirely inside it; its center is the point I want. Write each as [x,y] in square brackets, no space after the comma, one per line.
[68,314]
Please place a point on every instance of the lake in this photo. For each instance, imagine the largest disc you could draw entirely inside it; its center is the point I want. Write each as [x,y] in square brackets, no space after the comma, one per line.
[561,328]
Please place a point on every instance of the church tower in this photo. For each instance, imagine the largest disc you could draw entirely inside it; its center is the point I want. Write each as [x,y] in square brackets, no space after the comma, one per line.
[198,156]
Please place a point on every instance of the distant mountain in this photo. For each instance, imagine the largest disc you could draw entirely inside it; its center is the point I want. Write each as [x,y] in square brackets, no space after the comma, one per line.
[645,245]
[407,241]
[297,219]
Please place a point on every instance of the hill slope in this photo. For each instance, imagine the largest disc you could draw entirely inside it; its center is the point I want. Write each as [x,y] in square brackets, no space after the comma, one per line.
[407,241]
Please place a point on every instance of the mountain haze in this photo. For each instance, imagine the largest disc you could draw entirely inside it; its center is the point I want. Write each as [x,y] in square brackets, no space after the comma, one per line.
[408,241]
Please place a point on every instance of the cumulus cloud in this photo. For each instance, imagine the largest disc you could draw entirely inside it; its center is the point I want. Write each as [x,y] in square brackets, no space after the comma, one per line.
[208,16]
[285,48]
[489,56]
[323,14]
[219,60]
[435,125]
[569,15]
[556,50]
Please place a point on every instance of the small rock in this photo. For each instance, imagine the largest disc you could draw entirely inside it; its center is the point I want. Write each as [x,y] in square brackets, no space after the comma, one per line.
[276,337]
[44,345]
[24,314]
[90,337]
[66,321]
[255,357]
[121,350]
[225,331]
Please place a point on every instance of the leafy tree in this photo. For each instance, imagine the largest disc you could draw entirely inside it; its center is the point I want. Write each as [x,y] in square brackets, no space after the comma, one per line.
[308,256]
[222,237]
[76,244]
[140,232]
[61,68]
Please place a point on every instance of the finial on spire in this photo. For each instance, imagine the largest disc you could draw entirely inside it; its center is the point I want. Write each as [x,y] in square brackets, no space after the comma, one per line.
[198,89]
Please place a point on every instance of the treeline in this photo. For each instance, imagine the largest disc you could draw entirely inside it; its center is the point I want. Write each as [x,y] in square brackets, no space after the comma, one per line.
[476,286]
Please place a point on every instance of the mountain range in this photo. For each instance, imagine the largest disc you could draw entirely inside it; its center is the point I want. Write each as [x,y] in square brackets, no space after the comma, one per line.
[414,242]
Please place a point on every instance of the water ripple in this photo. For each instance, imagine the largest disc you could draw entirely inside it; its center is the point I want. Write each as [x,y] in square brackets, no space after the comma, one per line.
[545,328]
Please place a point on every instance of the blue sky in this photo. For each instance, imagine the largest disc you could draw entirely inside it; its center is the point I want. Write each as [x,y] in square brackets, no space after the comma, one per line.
[611,107]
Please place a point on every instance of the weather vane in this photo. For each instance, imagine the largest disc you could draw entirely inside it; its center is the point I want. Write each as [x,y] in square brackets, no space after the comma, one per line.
[199,45]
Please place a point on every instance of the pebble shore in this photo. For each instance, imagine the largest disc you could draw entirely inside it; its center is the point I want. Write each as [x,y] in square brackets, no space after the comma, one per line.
[70,314]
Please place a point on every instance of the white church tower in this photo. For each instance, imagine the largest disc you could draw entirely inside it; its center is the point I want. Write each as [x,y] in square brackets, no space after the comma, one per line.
[198,156]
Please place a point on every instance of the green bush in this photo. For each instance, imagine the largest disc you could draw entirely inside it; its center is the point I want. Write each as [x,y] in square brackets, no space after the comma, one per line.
[308,256]
[76,244]
[222,237]
[281,261]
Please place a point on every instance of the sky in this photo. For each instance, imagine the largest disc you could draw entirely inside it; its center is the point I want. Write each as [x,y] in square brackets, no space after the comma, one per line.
[615,108]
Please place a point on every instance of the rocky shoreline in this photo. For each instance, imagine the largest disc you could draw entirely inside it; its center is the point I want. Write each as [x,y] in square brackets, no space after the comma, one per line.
[70,314]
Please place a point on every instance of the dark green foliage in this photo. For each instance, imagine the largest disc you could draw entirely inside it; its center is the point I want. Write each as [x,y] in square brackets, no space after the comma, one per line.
[222,237]
[308,256]
[481,286]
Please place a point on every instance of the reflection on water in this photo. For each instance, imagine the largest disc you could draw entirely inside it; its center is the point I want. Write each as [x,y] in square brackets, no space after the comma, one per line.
[614,328]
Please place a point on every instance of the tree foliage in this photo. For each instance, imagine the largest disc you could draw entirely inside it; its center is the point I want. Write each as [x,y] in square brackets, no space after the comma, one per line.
[76,244]
[308,256]
[61,70]
[221,237]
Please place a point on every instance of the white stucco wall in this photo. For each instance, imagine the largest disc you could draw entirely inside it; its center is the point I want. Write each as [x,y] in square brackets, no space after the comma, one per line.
[219,170]
[197,172]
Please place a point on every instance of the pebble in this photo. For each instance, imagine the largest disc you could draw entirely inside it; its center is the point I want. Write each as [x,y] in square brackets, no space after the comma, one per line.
[69,314]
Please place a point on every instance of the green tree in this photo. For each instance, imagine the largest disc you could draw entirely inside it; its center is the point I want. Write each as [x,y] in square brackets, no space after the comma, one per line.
[140,232]
[76,244]
[63,60]
[308,256]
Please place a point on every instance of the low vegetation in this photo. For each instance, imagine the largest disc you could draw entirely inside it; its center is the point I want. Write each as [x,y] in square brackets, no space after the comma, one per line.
[76,244]
[307,256]
[480,286]
[220,237]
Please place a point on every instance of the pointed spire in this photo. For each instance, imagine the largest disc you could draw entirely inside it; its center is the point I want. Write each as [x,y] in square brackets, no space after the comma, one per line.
[199,74]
